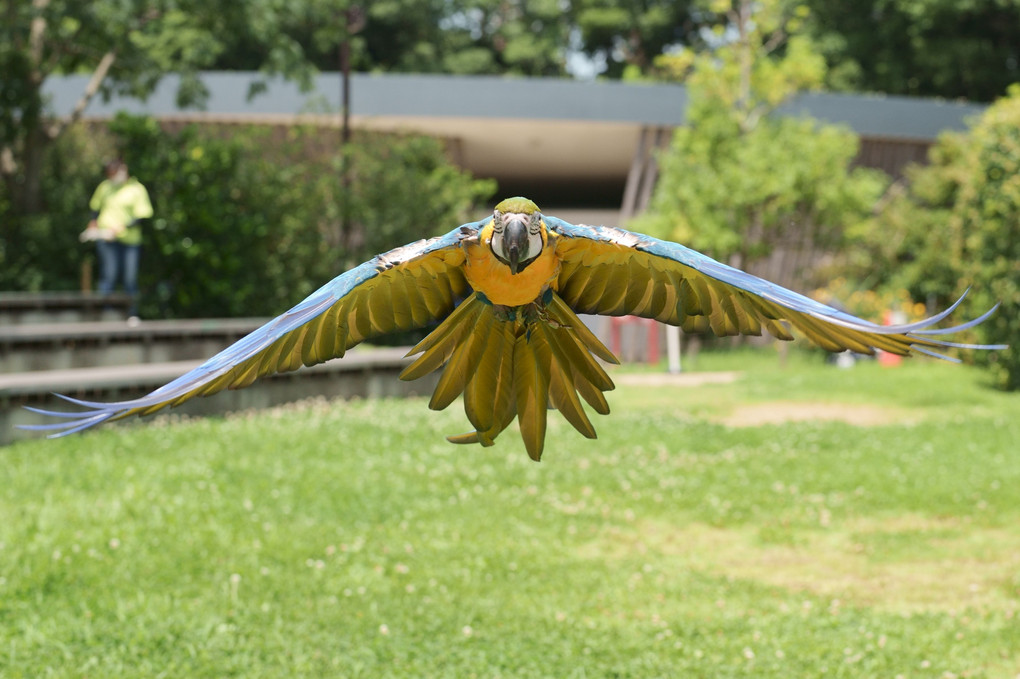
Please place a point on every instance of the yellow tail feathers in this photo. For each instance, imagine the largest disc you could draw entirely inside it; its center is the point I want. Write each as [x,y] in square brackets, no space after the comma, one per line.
[515,362]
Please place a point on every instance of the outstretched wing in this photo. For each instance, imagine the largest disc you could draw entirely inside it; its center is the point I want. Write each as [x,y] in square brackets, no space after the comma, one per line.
[409,287]
[614,272]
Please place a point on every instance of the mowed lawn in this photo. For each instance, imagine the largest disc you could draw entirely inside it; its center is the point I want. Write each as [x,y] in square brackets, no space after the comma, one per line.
[803,521]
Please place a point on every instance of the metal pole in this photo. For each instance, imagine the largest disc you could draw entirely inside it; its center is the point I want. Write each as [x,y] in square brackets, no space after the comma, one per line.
[673,348]
[345,79]
[345,132]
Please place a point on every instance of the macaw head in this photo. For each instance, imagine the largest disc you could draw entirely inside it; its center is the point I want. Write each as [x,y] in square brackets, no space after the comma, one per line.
[518,233]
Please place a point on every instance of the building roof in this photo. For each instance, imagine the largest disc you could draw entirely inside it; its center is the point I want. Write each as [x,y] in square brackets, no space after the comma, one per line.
[582,130]
[492,97]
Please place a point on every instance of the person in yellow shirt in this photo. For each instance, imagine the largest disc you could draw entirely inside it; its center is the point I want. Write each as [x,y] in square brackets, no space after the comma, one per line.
[118,205]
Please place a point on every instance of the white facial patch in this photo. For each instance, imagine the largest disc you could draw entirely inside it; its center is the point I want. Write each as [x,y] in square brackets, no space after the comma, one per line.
[529,250]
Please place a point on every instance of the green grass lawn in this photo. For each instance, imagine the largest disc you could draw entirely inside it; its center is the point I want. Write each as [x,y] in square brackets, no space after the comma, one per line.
[349,539]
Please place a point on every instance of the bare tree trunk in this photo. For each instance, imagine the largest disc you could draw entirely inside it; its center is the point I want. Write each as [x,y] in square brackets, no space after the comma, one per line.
[36,32]
[28,196]
[95,82]
[744,105]
[22,167]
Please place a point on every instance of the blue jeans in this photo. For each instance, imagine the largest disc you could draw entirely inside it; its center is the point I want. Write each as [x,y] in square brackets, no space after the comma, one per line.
[117,260]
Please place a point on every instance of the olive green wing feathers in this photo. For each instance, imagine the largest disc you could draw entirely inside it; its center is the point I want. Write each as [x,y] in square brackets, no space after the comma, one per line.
[410,287]
[615,272]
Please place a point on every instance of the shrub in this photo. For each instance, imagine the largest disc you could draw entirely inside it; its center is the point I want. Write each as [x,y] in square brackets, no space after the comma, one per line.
[246,223]
[42,252]
[957,226]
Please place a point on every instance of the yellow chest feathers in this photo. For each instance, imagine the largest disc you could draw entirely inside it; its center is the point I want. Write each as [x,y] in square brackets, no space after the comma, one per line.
[493,279]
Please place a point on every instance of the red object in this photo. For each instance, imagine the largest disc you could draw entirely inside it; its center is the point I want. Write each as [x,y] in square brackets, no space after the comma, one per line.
[651,330]
[884,357]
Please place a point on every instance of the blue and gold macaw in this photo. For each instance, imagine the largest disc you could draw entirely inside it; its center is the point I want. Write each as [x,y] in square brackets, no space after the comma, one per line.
[513,345]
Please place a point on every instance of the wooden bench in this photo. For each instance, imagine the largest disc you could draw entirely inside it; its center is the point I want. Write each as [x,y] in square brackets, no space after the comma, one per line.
[21,308]
[62,346]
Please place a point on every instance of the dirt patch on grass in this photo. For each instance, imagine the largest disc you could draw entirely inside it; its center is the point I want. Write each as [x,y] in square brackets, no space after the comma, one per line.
[779,412]
[774,412]
[677,379]
[954,567]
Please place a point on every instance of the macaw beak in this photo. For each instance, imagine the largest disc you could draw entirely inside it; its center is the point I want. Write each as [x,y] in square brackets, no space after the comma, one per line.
[515,242]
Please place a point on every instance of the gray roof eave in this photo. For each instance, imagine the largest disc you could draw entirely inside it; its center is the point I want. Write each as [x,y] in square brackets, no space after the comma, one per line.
[449,96]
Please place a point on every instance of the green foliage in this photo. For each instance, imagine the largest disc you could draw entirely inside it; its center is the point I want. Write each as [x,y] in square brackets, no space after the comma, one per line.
[434,36]
[350,539]
[215,223]
[739,183]
[245,224]
[786,182]
[522,37]
[769,61]
[41,252]
[518,37]
[129,46]
[958,226]
[126,46]
[408,190]
[402,188]
[943,48]
[988,218]
[628,34]
[248,225]
[909,245]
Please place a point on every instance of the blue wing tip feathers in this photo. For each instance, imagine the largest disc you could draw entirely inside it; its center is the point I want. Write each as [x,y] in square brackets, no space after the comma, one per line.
[70,422]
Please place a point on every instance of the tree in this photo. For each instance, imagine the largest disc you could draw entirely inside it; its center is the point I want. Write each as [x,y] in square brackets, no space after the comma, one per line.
[42,252]
[245,223]
[525,37]
[126,46]
[246,226]
[941,48]
[955,226]
[744,185]
[126,43]
[987,215]
[627,35]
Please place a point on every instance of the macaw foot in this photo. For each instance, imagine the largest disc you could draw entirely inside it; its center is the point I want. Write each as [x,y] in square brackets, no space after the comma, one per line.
[473,437]
[527,314]
[504,313]
[537,313]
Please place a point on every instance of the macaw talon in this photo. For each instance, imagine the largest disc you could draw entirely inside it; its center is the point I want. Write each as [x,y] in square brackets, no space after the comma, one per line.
[544,316]
[504,313]
[536,312]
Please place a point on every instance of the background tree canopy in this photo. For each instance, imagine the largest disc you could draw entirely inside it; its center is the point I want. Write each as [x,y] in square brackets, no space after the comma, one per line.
[943,48]
[765,193]
[920,47]
[955,226]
